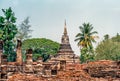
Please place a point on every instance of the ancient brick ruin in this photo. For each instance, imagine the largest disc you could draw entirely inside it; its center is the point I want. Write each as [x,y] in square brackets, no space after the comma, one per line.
[64,56]
[64,66]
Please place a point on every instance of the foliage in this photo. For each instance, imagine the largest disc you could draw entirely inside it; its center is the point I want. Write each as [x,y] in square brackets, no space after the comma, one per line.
[108,49]
[106,37]
[85,39]
[86,55]
[41,47]
[8,31]
[116,38]
[24,30]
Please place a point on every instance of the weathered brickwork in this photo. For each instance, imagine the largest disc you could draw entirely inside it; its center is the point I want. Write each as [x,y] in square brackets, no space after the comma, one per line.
[64,66]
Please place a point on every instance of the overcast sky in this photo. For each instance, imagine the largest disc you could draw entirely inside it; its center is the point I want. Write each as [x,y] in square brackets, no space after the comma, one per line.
[47,16]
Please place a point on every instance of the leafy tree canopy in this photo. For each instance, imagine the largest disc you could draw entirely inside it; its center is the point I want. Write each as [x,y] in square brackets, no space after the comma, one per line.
[109,49]
[116,38]
[8,31]
[24,30]
[41,47]
[86,36]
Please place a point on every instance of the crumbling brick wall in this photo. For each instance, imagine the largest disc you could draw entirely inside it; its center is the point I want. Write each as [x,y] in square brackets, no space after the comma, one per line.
[103,69]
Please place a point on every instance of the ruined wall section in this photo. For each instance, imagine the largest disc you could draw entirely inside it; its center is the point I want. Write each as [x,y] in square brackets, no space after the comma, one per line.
[104,69]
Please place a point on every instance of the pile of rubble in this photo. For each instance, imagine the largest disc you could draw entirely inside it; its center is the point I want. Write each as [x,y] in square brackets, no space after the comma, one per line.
[24,77]
[74,76]
[61,76]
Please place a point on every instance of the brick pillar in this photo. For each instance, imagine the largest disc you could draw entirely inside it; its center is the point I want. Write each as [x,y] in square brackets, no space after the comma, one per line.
[1,50]
[3,58]
[28,66]
[29,59]
[39,60]
[19,53]
[3,62]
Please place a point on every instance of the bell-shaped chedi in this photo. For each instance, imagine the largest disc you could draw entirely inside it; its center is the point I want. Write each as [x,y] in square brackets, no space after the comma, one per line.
[65,52]
[65,46]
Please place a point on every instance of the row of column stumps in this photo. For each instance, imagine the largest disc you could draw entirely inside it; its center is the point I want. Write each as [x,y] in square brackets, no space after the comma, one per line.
[19,59]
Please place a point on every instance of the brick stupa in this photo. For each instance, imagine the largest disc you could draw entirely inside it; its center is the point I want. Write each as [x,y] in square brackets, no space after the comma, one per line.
[65,53]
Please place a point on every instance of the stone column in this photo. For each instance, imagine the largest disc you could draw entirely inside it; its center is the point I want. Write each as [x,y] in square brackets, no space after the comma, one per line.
[19,53]
[3,62]
[29,59]
[3,57]
[1,51]
[28,66]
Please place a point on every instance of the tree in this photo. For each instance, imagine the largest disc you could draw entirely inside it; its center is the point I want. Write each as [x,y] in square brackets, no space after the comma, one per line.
[109,49]
[24,30]
[41,47]
[106,37]
[8,31]
[116,38]
[86,55]
[85,39]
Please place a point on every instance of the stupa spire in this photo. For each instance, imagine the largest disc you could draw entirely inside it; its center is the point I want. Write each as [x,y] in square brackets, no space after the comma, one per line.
[65,29]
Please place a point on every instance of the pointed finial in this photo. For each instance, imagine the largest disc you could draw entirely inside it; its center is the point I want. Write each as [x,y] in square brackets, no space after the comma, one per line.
[65,23]
[65,29]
